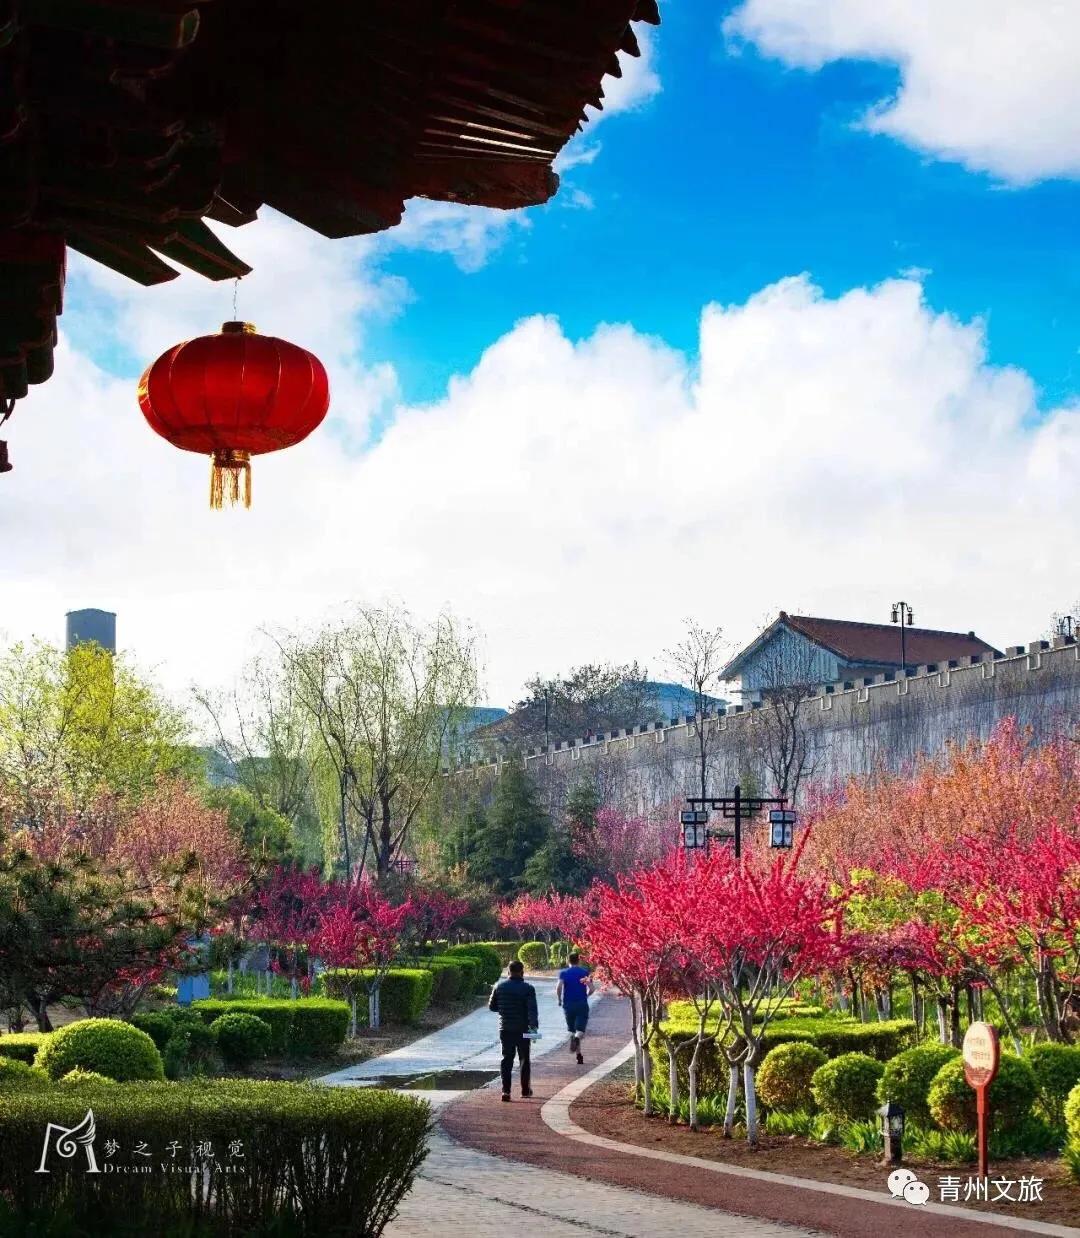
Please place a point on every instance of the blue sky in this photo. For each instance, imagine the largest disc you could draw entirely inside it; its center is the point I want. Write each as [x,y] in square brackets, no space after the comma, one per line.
[741,171]
[838,239]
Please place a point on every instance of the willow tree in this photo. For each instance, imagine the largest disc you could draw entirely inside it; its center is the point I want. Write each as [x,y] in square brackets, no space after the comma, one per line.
[263,733]
[385,695]
[80,723]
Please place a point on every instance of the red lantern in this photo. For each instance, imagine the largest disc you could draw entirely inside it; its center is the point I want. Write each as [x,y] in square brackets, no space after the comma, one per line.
[233,396]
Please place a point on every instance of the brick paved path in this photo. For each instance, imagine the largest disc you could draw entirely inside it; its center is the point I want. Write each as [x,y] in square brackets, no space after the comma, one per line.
[518,1132]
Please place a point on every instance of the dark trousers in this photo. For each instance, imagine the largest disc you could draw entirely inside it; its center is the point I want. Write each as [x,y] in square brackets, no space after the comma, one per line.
[577,1017]
[514,1043]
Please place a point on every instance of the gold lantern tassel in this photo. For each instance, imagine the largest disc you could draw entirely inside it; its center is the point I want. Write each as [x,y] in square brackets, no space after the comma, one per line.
[226,470]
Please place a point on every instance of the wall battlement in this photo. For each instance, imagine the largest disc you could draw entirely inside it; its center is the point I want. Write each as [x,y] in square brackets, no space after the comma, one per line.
[852,727]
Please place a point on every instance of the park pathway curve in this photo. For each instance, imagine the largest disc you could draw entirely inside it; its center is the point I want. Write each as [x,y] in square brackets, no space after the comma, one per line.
[463,1192]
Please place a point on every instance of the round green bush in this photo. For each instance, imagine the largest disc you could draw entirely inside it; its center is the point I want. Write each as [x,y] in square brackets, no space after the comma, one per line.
[846,1087]
[1072,1114]
[84,1078]
[783,1078]
[241,1037]
[191,1050]
[16,1074]
[908,1076]
[106,1046]
[534,954]
[952,1101]
[1057,1072]
[489,964]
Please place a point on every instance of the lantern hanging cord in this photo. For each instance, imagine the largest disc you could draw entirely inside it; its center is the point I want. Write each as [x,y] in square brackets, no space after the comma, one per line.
[235,290]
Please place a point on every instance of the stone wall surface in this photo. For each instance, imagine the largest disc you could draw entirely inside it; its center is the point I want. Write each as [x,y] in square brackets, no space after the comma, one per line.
[850,727]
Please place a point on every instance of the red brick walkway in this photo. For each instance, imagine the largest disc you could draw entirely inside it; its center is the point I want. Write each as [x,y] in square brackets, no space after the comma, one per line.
[517,1131]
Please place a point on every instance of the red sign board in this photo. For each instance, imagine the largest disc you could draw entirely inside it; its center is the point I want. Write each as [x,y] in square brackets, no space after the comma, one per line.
[982,1054]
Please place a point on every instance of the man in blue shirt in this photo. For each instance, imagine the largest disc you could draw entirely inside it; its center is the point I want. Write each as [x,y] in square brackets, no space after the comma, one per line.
[573,990]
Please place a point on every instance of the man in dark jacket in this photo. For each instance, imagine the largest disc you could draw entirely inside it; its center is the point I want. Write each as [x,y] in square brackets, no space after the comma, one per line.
[514,1002]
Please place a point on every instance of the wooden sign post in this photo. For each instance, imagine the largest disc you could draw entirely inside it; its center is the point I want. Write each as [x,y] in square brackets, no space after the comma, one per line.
[982,1055]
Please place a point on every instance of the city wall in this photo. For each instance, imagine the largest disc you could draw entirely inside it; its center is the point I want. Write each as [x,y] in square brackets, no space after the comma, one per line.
[850,727]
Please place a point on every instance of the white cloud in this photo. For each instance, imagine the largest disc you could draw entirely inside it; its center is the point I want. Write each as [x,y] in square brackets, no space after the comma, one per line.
[469,234]
[991,84]
[573,498]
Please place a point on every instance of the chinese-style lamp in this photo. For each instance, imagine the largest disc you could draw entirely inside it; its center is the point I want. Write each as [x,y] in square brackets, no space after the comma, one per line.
[232,396]
[891,1116]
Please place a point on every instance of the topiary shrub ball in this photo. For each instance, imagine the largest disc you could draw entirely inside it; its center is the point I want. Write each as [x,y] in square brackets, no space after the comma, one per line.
[78,1078]
[241,1037]
[16,1074]
[952,1101]
[1072,1114]
[908,1076]
[1057,1072]
[846,1087]
[534,954]
[105,1046]
[783,1078]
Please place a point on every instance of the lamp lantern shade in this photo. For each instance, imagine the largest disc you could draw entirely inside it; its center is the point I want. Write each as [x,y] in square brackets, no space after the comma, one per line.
[891,1120]
[232,396]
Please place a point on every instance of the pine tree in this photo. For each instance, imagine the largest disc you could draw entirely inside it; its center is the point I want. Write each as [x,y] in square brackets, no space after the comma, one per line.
[517,827]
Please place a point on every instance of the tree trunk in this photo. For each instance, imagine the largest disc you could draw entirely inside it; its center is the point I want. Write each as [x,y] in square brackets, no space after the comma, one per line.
[373,1008]
[943,1019]
[954,1018]
[646,1079]
[751,1103]
[692,1072]
[229,979]
[352,1015]
[346,853]
[635,1023]
[386,837]
[673,1083]
[732,1099]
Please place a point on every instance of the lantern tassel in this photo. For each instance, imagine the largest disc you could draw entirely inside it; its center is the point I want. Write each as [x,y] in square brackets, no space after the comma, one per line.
[226,470]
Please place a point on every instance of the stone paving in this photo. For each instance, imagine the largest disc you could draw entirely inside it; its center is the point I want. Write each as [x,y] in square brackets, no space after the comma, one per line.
[471,1043]
[462,1193]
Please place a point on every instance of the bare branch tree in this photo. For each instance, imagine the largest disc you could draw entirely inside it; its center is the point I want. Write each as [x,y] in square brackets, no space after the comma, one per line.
[788,669]
[697,661]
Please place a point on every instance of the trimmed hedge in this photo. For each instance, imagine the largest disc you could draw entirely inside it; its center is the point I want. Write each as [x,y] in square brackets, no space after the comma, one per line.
[448,976]
[79,1078]
[16,1074]
[506,950]
[490,962]
[833,1036]
[107,1046]
[952,1101]
[1072,1114]
[846,1087]
[470,971]
[908,1076]
[404,992]
[1057,1072]
[314,1162]
[534,954]
[783,1078]
[304,1027]
[23,1046]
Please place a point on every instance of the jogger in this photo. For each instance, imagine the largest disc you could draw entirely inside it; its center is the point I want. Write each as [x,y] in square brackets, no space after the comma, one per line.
[573,990]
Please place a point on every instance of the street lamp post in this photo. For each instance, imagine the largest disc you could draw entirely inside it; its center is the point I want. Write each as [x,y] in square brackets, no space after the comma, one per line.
[902,614]
[736,808]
